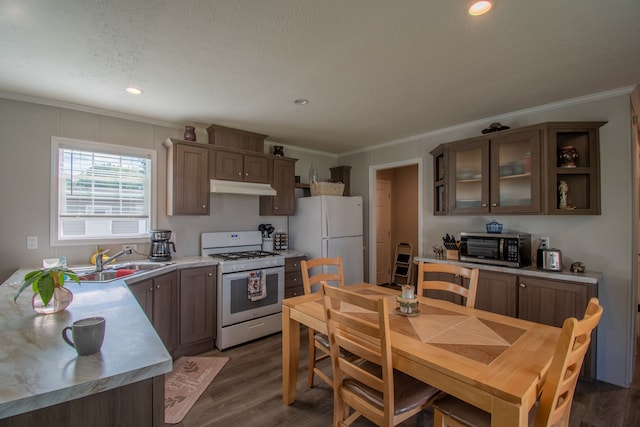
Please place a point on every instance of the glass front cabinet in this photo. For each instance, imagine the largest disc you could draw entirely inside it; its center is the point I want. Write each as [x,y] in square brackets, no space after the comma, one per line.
[549,168]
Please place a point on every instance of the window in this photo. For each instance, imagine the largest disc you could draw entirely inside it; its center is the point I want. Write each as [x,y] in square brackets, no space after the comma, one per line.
[100,191]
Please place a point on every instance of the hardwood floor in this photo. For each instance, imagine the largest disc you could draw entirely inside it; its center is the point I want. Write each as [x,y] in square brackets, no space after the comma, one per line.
[248,392]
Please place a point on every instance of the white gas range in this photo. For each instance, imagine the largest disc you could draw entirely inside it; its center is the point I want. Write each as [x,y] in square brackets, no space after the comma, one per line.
[250,286]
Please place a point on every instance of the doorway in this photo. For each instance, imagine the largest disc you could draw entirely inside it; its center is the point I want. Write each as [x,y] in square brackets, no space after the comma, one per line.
[395,215]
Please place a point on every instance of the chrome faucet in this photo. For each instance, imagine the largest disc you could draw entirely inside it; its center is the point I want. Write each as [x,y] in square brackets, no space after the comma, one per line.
[100,262]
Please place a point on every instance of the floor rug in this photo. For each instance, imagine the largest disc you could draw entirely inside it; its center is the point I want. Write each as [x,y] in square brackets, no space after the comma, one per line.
[189,378]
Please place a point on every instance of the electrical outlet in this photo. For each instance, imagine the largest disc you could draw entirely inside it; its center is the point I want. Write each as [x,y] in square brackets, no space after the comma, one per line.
[544,243]
[32,242]
[174,238]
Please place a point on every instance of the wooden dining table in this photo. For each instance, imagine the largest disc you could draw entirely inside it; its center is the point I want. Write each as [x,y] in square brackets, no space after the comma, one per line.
[494,362]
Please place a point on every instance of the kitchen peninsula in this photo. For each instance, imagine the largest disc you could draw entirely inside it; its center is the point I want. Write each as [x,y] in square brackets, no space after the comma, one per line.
[46,383]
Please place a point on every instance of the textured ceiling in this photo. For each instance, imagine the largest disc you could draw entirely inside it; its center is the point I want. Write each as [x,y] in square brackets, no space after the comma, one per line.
[373,70]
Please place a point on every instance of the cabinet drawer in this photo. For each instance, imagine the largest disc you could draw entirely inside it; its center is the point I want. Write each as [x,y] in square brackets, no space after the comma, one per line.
[292,265]
[293,291]
[292,280]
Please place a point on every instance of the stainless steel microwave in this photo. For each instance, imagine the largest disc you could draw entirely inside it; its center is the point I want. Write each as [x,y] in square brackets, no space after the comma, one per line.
[505,249]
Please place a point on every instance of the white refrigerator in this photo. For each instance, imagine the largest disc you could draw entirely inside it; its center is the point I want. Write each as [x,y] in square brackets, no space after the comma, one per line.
[330,226]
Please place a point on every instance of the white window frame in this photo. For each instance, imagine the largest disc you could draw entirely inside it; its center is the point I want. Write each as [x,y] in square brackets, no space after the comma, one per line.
[99,147]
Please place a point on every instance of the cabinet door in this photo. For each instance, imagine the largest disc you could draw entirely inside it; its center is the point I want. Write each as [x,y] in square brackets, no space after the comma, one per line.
[515,172]
[497,293]
[256,169]
[550,302]
[228,165]
[282,203]
[439,180]
[197,305]
[165,309]
[143,292]
[469,177]
[188,188]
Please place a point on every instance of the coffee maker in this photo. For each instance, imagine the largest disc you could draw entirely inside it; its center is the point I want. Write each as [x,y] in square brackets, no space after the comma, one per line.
[160,245]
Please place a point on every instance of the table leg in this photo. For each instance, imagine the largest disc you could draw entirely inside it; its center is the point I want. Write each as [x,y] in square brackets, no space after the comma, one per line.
[504,414]
[290,356]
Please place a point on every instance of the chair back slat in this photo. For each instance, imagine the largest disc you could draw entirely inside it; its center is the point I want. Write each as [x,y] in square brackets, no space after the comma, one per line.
[319,270]
[560,384]
[472,274]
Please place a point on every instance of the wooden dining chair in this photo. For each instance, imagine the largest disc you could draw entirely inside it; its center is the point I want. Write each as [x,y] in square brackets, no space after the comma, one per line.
[469,294]
[368,384]
[554,405]
[327,270]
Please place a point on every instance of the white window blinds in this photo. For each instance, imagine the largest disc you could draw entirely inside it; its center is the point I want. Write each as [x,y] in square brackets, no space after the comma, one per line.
[104,191]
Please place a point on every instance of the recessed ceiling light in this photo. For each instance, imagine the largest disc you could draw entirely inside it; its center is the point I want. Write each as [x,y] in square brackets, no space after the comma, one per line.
[301,101]
[133,90]
[480,7]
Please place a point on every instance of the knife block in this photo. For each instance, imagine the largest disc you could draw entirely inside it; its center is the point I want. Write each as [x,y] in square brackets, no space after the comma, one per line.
[452,254]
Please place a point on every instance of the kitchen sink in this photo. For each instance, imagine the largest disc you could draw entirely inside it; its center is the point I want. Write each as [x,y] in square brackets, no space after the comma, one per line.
[116,271]
[101,276]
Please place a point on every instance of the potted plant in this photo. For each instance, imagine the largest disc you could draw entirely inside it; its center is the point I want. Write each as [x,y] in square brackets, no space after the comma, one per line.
[50,295]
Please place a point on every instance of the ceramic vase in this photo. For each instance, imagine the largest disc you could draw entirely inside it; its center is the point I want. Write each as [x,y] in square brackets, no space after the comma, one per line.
[568,156]
[189,133]
[61,299]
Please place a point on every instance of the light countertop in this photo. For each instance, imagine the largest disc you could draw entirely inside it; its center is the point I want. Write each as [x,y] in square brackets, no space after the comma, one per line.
[589,277]
[38,369]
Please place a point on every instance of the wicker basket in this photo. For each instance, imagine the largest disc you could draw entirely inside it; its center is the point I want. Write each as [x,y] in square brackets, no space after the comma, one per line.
[326,188]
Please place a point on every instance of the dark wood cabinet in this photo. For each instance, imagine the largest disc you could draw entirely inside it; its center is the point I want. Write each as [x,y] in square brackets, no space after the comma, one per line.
[158,297]
[137,404]
[235,165]
[497,292]
[497,174]
[197,299]
[293,277]
[580,179]
[440,167]
[236,138]
[519,172]
[551,301]
[283,203]
[187,178]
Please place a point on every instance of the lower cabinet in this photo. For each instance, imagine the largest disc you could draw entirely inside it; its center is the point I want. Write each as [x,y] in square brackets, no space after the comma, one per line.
[550,302]
[197,310]
[497,293]
[137,404]
[158,297]
[181,305]
[293,277]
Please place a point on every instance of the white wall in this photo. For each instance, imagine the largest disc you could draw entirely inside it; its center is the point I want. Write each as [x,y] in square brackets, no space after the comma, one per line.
[602,242]
[25,138]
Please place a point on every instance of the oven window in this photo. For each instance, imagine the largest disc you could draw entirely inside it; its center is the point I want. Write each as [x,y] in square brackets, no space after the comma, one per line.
[240,298]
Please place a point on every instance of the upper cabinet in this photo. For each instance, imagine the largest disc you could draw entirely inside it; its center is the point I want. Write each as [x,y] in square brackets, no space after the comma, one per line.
[573,164]
[283,176]
[519,172]
[222,136]
[238,165]
[187,178]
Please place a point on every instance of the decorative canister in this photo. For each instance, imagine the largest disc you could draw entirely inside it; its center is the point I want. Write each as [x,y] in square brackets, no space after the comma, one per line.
[278,150]
[568,156]
[189,133]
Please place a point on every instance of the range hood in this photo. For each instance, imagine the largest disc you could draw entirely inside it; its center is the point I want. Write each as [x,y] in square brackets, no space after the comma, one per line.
[240,187]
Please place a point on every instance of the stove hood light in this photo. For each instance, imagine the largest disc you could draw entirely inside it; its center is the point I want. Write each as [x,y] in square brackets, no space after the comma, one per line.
[238,187]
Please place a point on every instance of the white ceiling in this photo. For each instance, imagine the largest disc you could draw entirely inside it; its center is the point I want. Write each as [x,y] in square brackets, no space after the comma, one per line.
[373,70]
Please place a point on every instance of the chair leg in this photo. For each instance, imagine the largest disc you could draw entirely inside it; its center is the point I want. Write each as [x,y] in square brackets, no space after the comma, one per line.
[312,357]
